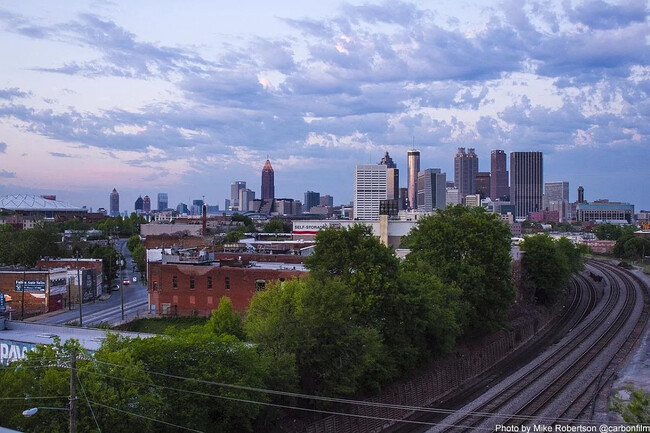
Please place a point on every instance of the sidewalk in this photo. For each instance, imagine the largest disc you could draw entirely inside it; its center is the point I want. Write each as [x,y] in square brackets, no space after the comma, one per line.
[39,317]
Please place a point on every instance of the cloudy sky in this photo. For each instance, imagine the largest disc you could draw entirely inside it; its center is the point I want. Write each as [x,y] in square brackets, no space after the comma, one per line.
[186,97]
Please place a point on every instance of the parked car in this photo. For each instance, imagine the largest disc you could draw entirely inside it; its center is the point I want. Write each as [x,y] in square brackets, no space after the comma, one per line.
[115,287]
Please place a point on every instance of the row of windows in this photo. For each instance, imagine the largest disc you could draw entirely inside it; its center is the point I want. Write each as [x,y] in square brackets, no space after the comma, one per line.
[259,284]
[193,283]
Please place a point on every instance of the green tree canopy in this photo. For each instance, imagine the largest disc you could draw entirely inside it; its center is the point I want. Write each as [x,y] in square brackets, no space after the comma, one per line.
[469,249]
[548,264]
[277,226]
[612,232]
[224,320]
[313,323]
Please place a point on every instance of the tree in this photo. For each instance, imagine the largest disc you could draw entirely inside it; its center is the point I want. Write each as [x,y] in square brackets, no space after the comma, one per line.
[546,267]
[233,236]
[313,323]
[612,232]
[26,247]
[133,242]
[224,320]
[631,247]
[248,226]
[277,226]
[469,249]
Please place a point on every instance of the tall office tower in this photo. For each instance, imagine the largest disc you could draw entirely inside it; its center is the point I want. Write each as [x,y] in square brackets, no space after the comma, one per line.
[146,204]
[403,199]
[326,200]
[163,201]
[526,182]
[393,176]
[114,209]
[432,189]
[465,170]
[246,196]
[312,199]
[226,204]
[139,205]
[197,207]
[413,162]
[369,189]
[268,182]
[483,183]
[556,198]
[581,194]
[499,176]
[182,209]
[297,207]
[234,193]
[453,196]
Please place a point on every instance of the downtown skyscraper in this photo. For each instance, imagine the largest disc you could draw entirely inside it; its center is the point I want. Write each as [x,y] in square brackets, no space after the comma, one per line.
[234,193]
[499,176]
[114,209]
[465,170]
[413,162]
[392,173]
[556,198]
[370,188]
[268,182]
[526,182]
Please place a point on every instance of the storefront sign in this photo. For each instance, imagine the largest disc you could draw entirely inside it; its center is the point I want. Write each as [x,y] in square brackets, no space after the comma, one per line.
[30,285]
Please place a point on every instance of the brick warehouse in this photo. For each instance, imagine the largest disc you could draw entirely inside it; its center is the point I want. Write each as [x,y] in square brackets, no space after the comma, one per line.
[45,289]
[196,288]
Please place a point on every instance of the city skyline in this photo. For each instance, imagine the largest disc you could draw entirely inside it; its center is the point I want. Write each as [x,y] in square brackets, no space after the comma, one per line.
[96,96]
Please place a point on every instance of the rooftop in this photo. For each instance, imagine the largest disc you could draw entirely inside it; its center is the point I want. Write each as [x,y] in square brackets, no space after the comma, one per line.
[24,202]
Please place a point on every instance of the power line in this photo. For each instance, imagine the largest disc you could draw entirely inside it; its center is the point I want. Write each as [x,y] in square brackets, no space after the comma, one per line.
[144,416]
[277,405]
[335,399]
[33,398]
[89,406]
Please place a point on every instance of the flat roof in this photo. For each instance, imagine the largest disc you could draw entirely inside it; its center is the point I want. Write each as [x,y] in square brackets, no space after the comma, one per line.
[34,333]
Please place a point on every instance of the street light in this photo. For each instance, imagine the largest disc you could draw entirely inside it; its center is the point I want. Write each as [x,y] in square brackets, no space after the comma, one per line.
[31,412]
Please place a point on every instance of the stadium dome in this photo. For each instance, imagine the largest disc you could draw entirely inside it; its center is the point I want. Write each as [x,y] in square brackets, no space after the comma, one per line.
[34,203]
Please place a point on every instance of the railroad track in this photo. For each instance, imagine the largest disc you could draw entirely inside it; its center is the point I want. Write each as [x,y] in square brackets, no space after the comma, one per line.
[583,299]
[542,392]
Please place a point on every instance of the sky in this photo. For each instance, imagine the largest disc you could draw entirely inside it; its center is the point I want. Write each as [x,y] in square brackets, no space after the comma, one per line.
[187,97]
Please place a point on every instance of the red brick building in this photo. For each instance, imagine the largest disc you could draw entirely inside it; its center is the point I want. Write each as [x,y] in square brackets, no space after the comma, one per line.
[91,274]
[196,288]
[44,289]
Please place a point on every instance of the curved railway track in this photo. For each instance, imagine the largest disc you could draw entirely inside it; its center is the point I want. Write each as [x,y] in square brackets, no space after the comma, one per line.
[581,302]
[556,386]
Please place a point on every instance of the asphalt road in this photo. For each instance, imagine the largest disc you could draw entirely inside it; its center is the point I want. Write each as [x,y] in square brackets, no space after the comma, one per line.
[108,311]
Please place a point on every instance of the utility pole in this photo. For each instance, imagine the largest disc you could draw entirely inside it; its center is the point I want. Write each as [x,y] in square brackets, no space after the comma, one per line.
[122,284]
[22,302]
[81,295]
[73,392]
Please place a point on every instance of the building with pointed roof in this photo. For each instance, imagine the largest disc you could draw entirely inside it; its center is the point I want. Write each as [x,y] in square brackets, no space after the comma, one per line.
[114,209]
[268,182]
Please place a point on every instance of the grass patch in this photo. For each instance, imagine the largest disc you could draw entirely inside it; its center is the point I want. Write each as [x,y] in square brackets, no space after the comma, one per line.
[159,325]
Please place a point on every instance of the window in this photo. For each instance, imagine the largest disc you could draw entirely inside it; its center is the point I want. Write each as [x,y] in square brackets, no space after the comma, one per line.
[191,282]
[260,285]
[175,282]
[227,283]
[209,282]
